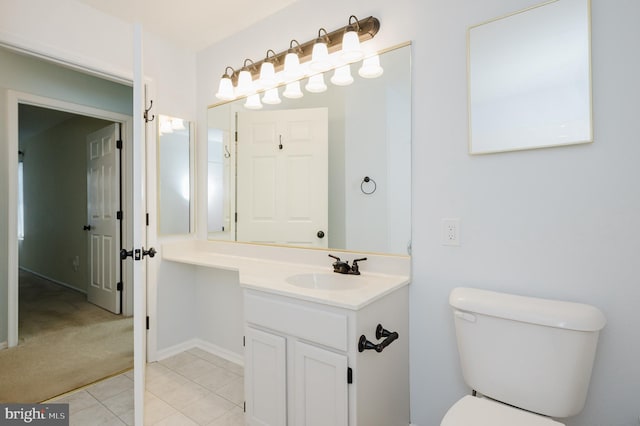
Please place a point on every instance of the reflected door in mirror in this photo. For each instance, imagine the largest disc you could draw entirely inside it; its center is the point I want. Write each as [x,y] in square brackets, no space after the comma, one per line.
[283,189]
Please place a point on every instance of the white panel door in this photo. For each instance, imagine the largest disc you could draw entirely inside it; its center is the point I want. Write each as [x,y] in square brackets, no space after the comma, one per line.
[103,202]
[265,378]
[321,394]
[283,177]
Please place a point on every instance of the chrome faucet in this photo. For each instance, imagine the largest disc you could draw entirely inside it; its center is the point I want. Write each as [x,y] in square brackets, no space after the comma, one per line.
[342,267]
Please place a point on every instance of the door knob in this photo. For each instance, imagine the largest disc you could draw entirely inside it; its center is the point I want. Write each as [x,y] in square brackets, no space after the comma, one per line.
[151,252]
[320,234]
[87,227]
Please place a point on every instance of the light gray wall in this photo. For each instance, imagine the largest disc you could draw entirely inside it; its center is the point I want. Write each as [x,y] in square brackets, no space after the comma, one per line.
[561,223]
[55,188]
[30,75]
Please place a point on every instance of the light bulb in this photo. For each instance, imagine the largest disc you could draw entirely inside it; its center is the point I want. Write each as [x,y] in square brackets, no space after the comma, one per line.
[342,76]
[271,97]
[320,60]
[371,67]
[253,102]
[165,126]
[351,50]
[292,91]
[245,83]
[316,84]
[225,89]
[292,69]
[177,124]
[267,75]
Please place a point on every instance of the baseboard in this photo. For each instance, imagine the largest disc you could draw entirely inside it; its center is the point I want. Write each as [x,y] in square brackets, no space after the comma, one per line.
[4,345]
[221,352]
[38,274]
[200,344]
[175,349]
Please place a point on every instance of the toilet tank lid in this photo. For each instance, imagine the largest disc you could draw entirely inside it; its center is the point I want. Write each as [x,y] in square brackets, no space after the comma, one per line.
[552,313]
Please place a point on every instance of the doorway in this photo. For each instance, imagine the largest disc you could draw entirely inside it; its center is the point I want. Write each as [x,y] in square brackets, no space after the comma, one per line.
[65,110]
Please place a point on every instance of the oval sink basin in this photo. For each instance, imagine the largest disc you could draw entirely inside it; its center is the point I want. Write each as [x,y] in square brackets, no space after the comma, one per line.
[327,281]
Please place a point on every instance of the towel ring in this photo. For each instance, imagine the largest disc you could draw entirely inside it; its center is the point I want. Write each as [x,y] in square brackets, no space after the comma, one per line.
[366,180]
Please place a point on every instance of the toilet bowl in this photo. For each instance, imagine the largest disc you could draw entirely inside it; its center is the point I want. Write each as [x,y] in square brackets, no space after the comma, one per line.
[478,411]
[524,356]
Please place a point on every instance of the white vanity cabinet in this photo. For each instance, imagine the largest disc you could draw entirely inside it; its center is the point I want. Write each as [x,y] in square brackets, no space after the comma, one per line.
[303,367]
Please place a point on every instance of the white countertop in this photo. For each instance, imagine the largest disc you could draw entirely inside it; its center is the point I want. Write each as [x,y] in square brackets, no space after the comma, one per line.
[268,275]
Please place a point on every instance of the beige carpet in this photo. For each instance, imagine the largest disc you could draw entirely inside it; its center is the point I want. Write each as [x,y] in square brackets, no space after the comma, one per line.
[65,343]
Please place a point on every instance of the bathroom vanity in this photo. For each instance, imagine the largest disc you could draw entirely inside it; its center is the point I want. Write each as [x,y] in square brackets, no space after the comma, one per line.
[312,355]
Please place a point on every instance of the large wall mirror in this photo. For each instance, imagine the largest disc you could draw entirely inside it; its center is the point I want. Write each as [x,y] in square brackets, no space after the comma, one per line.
[530,79]
[328,170]
[175,176]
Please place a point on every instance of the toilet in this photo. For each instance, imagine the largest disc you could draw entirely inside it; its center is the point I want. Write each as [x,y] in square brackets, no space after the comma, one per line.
[528,360]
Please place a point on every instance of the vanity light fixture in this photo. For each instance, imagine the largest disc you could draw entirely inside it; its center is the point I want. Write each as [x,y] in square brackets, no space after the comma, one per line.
[267,71]
[371,67]
[351,49]
[292,70]
[316,84]
[245,80]
[165,125]
[341,42]
[292,91]
[177,124]
[225,88]
[271,97]
[253,102]
[320,60]
[342,76]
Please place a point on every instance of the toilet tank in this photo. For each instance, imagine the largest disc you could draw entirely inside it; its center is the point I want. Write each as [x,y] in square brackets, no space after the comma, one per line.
[532,353]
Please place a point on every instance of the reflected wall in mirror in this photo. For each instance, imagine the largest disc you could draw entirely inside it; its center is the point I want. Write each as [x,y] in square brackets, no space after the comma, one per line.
[175,176]
[368,135]
[530,79]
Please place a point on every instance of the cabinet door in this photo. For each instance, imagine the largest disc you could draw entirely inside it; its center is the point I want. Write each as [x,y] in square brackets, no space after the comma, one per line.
[321,396]
[265,378]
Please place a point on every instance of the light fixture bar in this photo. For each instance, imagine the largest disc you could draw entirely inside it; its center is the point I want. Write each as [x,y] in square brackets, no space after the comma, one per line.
[368,28]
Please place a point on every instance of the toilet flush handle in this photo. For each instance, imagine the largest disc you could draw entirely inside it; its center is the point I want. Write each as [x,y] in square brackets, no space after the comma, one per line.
[465,316]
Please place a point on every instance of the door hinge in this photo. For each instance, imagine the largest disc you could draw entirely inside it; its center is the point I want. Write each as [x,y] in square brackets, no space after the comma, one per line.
[119,215]
[244,406]
[244,341]
[236,136]
[147,322]
[147,219]
[236,217]
[119,144]
[349,375]
[119,286]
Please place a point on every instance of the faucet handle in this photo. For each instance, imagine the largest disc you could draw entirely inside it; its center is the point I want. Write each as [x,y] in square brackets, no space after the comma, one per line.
[354,267]
[334,257]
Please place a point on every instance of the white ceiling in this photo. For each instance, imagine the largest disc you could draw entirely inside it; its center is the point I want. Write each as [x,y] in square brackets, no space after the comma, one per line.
[193,24]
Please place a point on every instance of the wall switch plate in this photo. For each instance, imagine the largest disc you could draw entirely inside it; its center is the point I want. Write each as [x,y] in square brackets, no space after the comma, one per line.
[451,232]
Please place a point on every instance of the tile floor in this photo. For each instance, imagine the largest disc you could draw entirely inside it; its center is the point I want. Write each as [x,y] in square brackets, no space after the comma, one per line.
[191,388]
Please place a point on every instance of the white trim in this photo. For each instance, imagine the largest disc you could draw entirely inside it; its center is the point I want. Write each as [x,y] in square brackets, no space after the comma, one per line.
[65,59]
[138,238]
[14,98]
[53,280]
[221,352]
[3,345]
[205,346]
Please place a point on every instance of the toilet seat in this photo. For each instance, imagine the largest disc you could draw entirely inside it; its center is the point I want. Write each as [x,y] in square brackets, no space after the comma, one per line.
[475,411]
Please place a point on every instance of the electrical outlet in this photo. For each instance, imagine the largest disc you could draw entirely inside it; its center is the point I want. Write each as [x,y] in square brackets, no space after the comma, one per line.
[450,232]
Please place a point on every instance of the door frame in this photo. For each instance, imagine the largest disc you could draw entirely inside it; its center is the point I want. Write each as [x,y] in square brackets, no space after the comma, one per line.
[14,98]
